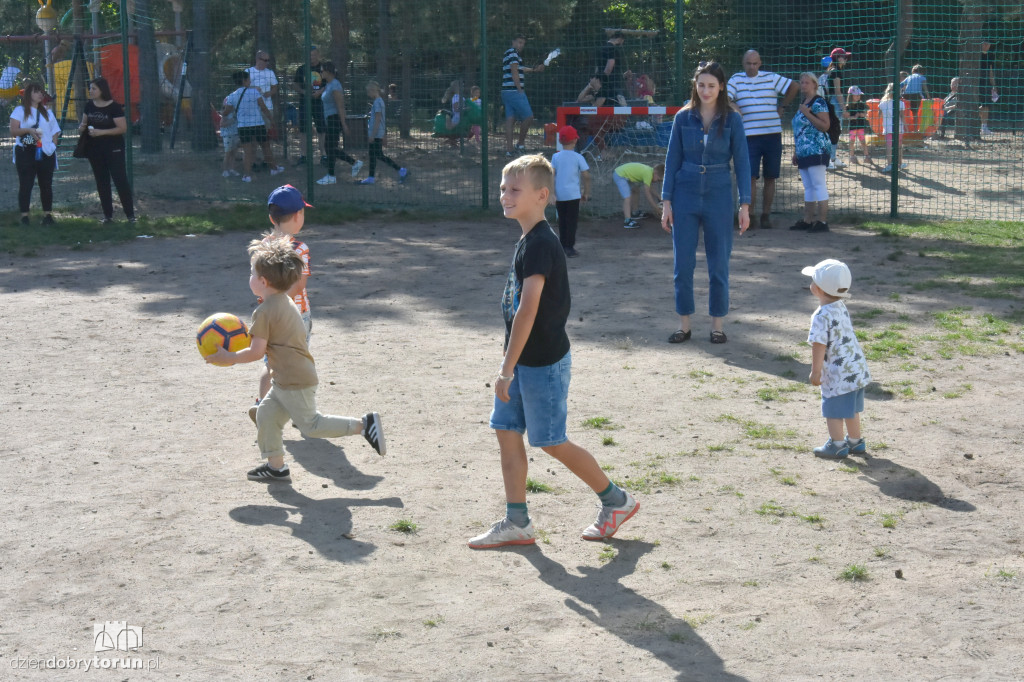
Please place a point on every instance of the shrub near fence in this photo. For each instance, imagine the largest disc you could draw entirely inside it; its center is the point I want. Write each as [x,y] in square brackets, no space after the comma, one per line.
[422,48]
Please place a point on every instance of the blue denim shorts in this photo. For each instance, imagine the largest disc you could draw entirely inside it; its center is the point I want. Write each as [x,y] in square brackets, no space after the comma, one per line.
[537,403]
[516,105]
[845,406]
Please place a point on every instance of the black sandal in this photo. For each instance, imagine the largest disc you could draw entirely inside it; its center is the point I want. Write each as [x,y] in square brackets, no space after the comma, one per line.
[718,337]
[679,336]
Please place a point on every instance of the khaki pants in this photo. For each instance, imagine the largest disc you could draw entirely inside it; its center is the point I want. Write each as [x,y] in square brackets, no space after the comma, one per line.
[299,405]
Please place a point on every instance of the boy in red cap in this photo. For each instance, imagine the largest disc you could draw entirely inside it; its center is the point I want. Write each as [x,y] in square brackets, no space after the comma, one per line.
[572,185]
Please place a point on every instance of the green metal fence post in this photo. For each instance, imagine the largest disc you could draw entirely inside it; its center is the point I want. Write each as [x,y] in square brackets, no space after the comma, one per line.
[125,63]
[484,101]
[307,97]
[897,115]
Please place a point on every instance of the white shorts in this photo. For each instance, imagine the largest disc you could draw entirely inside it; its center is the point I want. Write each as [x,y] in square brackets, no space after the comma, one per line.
[230,140]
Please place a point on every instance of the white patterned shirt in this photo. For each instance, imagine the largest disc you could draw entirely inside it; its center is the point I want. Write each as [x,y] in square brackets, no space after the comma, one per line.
[845,369]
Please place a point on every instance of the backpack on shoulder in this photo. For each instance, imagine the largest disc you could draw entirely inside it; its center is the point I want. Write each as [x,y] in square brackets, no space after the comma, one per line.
[835,126]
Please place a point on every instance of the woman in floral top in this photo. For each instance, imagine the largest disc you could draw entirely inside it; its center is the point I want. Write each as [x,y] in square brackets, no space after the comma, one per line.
[810,134]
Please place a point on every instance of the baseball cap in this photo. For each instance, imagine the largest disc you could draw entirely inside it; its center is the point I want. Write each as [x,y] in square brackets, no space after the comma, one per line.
[831,276]
[840,52]
[567,134]
[854,90]
[288,199]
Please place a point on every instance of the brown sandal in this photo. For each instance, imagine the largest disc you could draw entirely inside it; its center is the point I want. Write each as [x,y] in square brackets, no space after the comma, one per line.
[679,336]
[718,337]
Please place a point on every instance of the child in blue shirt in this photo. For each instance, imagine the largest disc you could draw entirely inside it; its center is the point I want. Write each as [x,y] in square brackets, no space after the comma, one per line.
[376,132]
[572,185]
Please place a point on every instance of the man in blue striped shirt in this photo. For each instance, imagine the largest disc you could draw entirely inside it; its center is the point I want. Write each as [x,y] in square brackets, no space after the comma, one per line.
[513,95]
[756,93]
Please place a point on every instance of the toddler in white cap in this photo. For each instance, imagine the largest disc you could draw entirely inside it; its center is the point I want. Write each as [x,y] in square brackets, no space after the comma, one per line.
[837,361]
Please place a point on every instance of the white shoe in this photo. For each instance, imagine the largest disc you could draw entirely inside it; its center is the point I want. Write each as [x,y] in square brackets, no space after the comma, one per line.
[277,171]
[503,533]
[246,178]
[609,519]
[903,166]
[839,163]
[356,167]
[226,174]
[985,130]
[888,168]
[327,180]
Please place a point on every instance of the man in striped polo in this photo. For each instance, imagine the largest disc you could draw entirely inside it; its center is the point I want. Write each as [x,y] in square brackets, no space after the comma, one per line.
[756,93]
[513,95]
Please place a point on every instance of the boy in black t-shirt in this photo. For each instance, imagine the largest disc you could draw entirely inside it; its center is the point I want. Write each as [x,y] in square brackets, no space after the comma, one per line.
[532,386]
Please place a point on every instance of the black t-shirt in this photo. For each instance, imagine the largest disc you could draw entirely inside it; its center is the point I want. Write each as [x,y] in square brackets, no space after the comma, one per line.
[102,118]
[612,81]
[316,82]
[540,253]
[858,115]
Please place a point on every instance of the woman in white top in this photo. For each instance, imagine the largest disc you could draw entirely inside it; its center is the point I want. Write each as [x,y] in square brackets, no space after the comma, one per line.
[35,131]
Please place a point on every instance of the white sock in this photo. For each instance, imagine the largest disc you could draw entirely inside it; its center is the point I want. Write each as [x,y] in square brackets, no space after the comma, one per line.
[854,441]
[283,467]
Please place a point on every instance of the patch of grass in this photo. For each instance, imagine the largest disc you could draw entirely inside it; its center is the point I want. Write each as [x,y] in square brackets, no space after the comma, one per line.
[894,296]
[433,622]
[404,526]
[749,625]
[667,478]
[957,393]
[608,440]
[881,552]
[749,583]
[385,634]
[544,536]
[812,518]
[848,469]
[771,508]
[787,357]
[888,343]
[1006,575]
[863,316]
[607,467]
[607,553]
[700,374]
[814,559]
[598,423]
[890,520]
[533,486]
[666,565]
[854,573]
[676,637]
[694,478]
[697,619]
[720,447]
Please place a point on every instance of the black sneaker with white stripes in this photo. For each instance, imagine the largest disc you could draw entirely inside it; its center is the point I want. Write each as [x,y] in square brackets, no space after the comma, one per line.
[373,432]
[264,473]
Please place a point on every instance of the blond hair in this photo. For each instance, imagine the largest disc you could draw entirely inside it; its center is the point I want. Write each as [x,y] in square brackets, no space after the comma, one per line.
[275,259]
[535,167]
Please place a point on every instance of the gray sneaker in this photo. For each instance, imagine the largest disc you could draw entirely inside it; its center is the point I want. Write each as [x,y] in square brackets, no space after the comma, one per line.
[833,450]
[609,519]
[504,533]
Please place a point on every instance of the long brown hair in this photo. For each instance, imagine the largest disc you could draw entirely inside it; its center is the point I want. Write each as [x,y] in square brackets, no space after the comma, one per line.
[26,99]
[722,108]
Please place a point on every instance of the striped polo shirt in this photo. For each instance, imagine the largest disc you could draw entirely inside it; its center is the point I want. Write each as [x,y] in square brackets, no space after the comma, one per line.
[758,100]
[511,57]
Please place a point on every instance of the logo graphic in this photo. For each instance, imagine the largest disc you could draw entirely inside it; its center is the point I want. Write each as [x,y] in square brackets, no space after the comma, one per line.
[116,635]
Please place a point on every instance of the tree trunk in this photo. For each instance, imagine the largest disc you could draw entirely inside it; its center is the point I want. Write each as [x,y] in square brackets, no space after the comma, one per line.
[383,41]
[265,29]
[338,11]
[972,89]
[204,137]
[405,116]
[149,79]
[906,19]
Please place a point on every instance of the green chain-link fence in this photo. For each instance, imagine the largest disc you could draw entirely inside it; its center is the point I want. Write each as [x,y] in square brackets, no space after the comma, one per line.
[182,56]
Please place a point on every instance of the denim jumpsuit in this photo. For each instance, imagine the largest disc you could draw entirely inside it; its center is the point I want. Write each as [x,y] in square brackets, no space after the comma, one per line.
[698,184]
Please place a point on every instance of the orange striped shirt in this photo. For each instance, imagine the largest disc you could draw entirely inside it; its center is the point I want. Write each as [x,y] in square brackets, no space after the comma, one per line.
[302,298]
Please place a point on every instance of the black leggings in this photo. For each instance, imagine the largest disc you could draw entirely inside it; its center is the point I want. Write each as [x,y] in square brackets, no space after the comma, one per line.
[568,217]
[108,164]
[377,152]
[28,170]
[334,152]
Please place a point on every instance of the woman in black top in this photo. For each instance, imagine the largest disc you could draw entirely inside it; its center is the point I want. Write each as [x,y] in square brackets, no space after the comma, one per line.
[107,125]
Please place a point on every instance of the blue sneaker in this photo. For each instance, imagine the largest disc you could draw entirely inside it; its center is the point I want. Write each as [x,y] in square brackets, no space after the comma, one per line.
[832,450]
[403,173]
[368,181]
[860,448]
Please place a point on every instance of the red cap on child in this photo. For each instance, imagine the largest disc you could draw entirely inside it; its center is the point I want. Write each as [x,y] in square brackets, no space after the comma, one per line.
[567,134]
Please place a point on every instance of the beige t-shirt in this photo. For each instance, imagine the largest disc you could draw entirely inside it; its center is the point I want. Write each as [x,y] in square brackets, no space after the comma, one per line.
[278,321]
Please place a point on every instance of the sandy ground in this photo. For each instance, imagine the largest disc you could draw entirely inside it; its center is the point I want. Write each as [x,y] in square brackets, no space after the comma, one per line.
[125,497]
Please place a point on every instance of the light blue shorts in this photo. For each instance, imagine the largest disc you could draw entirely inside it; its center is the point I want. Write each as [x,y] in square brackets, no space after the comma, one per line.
[625,191]
[537,403]
[845,406]
[516,105]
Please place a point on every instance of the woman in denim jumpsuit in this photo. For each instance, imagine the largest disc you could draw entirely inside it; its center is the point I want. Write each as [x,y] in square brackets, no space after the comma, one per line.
[697,191]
